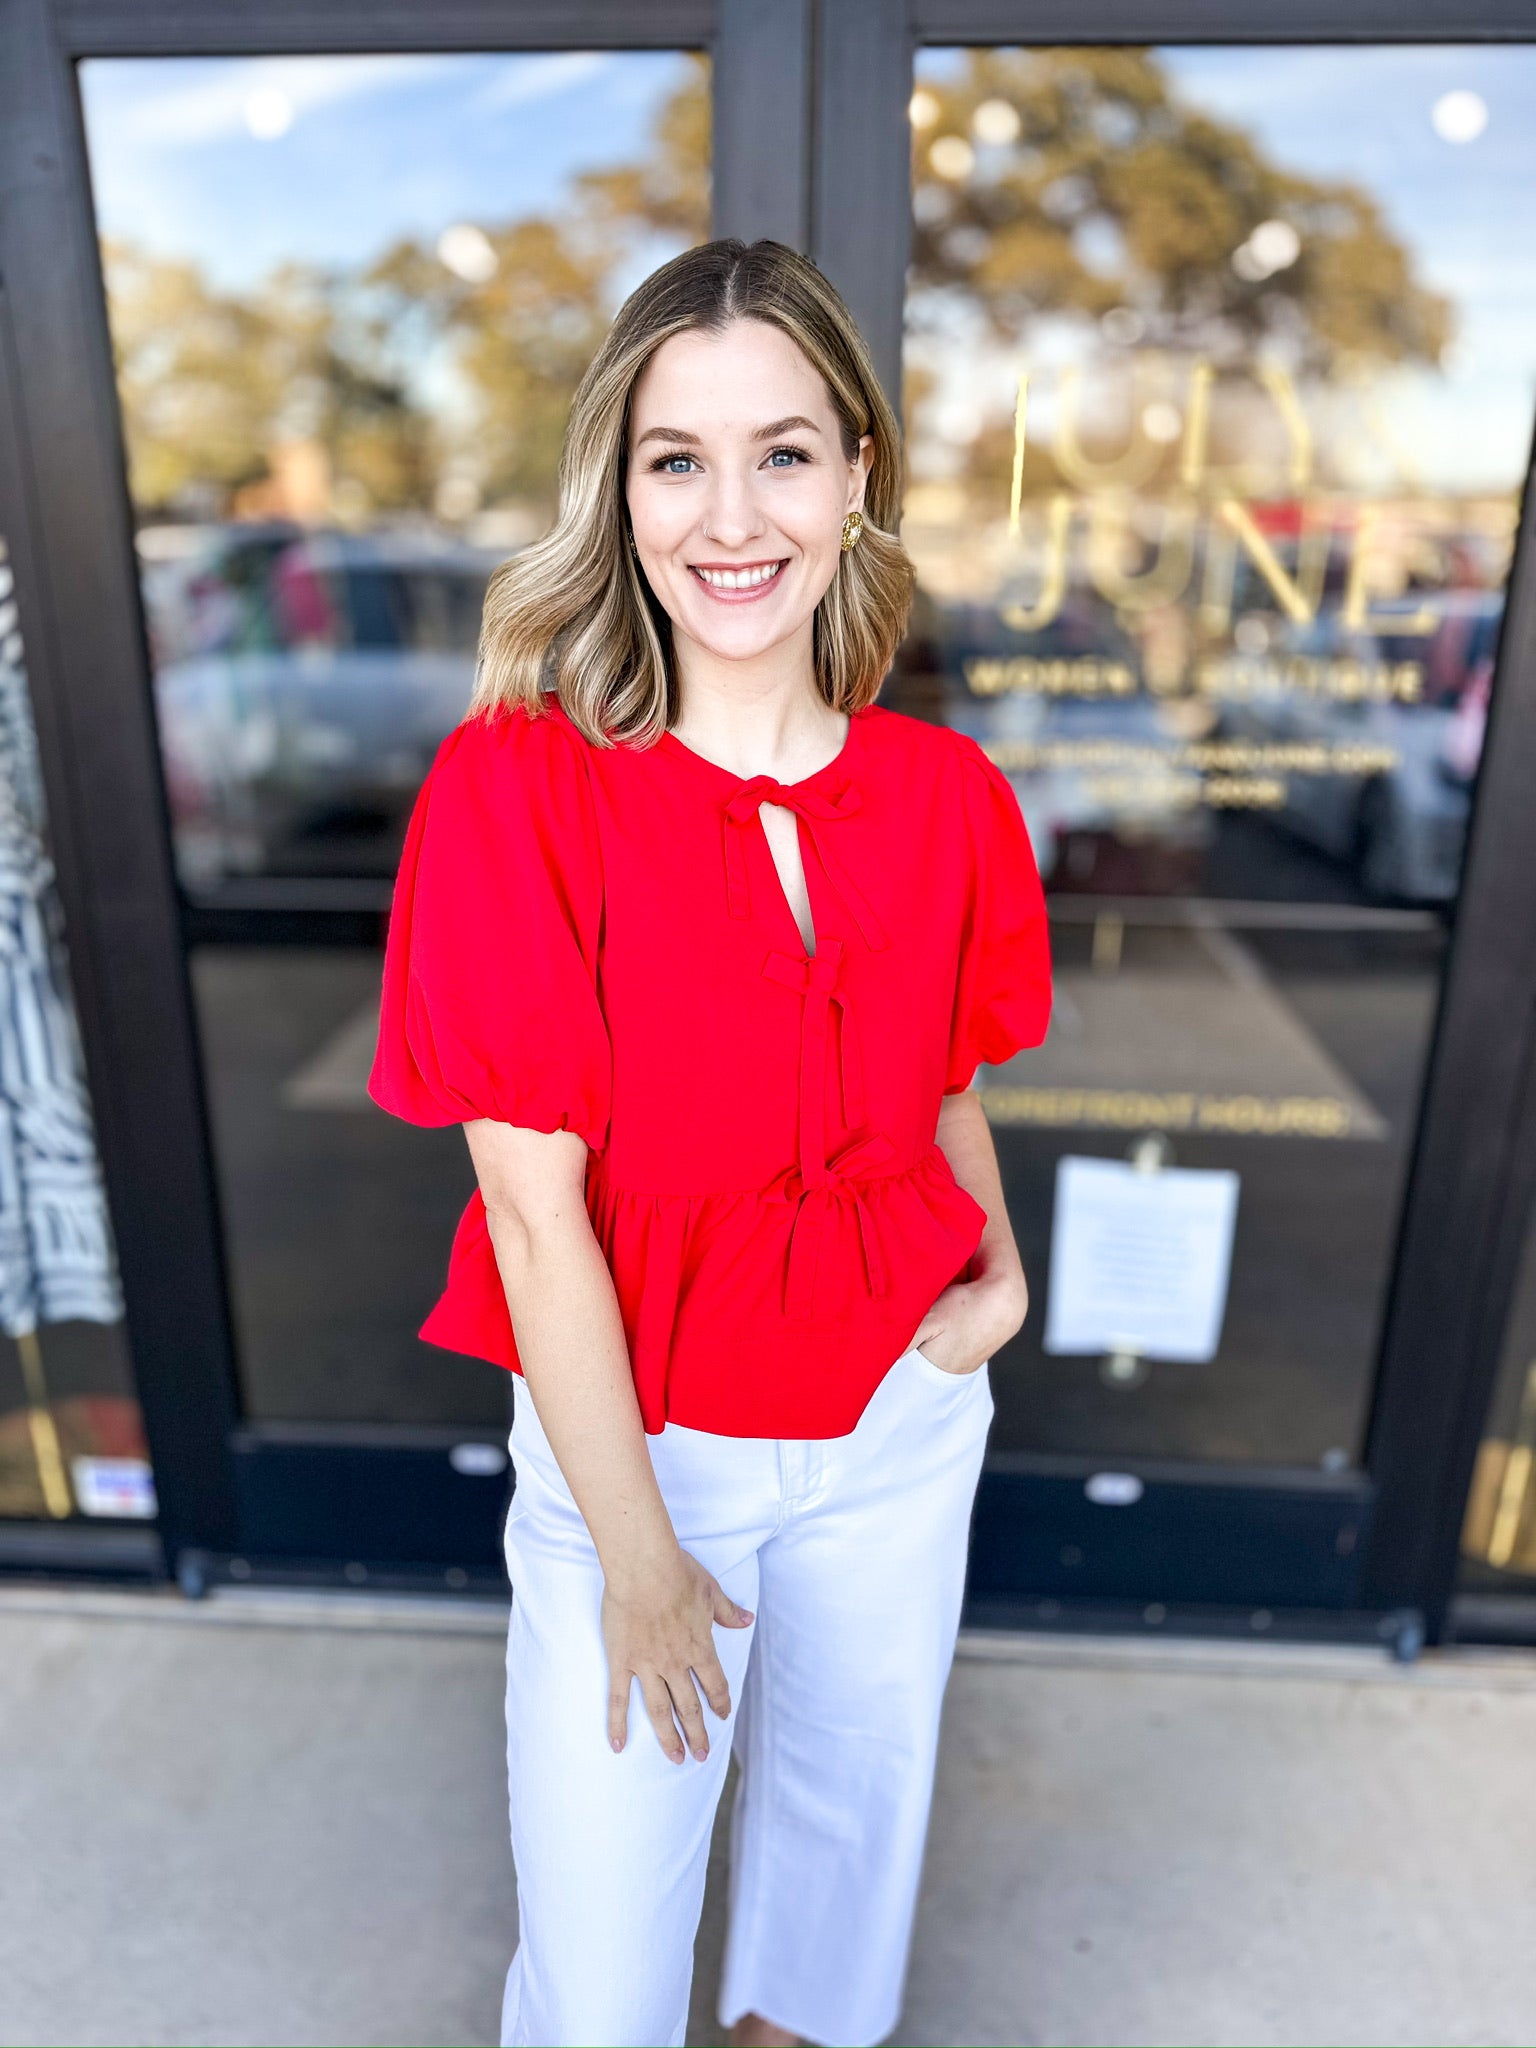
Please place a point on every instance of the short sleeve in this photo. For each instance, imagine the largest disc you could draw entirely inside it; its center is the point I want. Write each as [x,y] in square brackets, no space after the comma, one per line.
[1003,992]
[490,1004]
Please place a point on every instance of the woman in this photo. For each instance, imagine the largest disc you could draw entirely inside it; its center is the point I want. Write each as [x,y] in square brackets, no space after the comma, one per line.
[703,947]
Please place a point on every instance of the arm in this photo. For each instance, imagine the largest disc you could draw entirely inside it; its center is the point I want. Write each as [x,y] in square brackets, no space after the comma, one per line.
[658,1602]
[973,1317]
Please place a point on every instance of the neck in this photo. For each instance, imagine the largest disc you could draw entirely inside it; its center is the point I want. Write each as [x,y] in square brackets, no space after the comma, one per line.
[760,716]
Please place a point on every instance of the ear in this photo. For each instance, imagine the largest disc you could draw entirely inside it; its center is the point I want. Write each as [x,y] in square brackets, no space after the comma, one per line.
[858,477]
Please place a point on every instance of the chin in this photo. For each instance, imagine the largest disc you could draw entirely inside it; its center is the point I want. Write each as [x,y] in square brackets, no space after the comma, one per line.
[730,640]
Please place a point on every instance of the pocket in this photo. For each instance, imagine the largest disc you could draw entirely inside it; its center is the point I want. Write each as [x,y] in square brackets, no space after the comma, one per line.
[929,1371]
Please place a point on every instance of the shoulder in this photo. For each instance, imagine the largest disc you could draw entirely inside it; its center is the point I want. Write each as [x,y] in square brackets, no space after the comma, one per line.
[904,740]
[934,752]
[511,755]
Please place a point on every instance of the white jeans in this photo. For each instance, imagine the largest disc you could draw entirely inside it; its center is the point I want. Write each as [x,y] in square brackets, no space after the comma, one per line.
[851,1553]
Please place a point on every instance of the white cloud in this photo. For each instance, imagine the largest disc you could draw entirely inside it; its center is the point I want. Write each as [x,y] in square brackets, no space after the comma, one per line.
[212,104]
[541,77]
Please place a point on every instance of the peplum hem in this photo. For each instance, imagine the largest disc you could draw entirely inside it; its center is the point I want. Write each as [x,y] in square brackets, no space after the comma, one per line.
[721,1292]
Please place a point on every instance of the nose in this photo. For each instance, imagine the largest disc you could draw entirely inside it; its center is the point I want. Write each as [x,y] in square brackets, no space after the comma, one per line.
[732,515]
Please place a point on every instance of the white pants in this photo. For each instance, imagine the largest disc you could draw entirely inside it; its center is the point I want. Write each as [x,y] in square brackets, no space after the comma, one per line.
[850,1551]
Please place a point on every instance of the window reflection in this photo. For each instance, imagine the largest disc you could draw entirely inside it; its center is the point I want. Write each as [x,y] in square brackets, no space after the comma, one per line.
[71,1433]
[343,394]
[1212,517]
[1217,374]
[350,300]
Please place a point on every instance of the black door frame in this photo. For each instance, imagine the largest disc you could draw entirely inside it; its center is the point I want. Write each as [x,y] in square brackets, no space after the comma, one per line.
[811,145]
[1295,1549]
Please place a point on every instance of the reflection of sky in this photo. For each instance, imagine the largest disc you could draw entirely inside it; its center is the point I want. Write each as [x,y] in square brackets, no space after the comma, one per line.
[1363,114]
[380,146]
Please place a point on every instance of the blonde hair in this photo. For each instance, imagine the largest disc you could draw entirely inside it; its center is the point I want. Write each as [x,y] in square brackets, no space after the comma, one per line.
[575,608]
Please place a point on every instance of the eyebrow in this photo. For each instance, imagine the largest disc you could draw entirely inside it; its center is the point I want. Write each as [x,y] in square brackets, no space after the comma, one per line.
[769,433]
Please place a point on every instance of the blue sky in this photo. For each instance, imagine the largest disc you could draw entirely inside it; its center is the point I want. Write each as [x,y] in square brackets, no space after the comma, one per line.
[378,146]
[1364,114]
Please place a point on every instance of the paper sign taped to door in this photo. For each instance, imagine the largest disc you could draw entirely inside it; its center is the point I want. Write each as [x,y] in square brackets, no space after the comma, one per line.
[1139,1261]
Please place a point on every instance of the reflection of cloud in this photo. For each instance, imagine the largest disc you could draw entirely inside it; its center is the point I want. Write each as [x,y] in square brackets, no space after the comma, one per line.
[522,79]
[213,103]
[489,136]
[1285,79]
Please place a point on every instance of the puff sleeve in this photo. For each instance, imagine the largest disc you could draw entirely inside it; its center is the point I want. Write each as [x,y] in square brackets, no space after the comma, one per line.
[489,1004]
[1003,991]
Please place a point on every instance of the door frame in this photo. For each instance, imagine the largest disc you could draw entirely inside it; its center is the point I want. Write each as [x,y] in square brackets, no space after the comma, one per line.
[1252,1546]
[282,1499]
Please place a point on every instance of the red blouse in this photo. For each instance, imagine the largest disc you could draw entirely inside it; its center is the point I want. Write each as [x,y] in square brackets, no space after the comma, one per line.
[596,939]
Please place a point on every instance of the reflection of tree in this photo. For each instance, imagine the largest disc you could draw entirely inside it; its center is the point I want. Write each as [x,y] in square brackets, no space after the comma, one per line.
[213,383]
[1073,180]
[526,333]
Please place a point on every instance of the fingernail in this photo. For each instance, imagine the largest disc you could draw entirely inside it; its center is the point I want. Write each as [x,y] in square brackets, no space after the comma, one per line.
[701,1754]
[616,1741]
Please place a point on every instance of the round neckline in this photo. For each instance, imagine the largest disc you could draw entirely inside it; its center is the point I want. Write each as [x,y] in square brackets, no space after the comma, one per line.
[839,761]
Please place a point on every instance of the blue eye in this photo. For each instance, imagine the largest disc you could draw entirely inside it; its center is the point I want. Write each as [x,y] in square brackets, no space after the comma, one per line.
[795,455]
[665,462]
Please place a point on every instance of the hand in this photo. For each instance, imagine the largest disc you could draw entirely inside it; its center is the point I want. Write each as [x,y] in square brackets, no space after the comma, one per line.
[970,1321]
[659,1631]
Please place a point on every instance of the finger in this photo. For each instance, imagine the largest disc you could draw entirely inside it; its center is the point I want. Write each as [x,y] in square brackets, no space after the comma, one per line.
[618,1713]
[658,1704]
[728,1612]
[685,1704]
[717,1689]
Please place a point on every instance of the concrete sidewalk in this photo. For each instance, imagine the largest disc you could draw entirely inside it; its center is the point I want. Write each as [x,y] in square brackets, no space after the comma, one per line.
[270,1818]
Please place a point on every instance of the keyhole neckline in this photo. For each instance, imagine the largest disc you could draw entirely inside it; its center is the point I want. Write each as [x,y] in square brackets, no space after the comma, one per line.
[840,762]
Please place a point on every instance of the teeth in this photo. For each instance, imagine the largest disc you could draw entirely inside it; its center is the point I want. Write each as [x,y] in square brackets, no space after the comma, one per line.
[740,579]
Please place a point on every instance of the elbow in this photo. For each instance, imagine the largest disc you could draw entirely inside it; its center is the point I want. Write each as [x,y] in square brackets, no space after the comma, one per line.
[533,1185]
[508,1227]
[523,1221]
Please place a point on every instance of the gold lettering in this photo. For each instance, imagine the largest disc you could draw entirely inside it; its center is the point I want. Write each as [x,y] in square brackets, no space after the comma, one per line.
[1016,490]
[1164,582]
[1197,420]
[1136,465]
[1029,618]
[1266,561]
[1357,614]
[1193,471]
[1259,1116]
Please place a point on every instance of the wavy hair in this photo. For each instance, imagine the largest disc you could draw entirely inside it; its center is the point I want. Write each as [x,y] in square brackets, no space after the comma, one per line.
[573,612]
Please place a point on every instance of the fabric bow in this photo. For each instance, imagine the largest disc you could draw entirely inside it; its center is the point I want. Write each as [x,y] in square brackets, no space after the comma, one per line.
[815,809]
[813,1202]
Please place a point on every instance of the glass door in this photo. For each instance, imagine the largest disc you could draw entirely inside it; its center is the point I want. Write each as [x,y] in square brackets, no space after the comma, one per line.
[1217,368]
[345,288]
[342,376]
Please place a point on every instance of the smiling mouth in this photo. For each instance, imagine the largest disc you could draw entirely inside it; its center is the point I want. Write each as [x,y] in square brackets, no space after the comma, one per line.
[737,585]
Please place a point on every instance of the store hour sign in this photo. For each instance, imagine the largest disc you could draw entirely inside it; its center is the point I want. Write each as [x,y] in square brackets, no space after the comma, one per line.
[1140,1260]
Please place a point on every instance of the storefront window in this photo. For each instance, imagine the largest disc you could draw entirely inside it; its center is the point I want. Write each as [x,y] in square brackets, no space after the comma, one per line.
[1498,1538]
[71,1435]
[350,299]
[1218,380]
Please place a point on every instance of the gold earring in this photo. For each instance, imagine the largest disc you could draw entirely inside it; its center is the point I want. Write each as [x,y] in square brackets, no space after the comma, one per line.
[853,526]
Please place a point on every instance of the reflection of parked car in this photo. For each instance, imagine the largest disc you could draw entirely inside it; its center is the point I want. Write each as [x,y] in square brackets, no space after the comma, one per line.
[1402,831]
[303,681]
